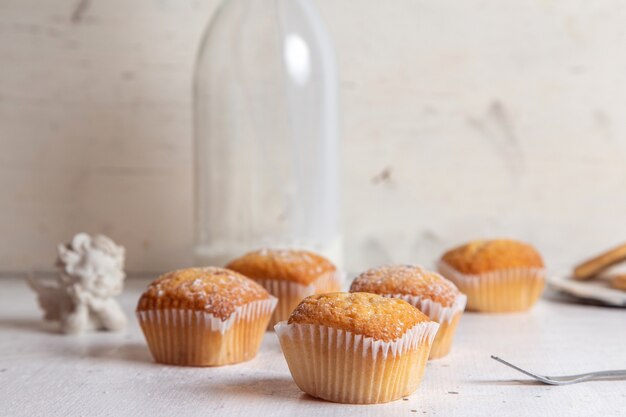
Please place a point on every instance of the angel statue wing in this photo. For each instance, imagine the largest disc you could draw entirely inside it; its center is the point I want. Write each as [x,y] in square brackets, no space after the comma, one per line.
[51,299]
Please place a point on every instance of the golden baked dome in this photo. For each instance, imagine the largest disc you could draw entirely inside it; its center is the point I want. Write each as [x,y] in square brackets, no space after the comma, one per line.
[293,265]
[366,314]
[481,256]
[407,280]
[217,291]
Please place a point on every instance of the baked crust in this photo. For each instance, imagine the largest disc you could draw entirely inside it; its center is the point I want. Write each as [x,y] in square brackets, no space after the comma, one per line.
[216,291]
[597,264]
[407,280]
[619,282]
[366,314]
[293,265]
[480,256]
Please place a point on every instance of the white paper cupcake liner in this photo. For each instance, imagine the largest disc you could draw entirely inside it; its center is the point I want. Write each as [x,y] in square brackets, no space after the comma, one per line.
[447,317]
[512,289]
[433,309]
[207,321]
[290,293]
[341,366]
[197,338]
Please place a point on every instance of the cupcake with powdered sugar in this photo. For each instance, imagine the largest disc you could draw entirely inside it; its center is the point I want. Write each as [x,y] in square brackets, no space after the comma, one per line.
[428,291]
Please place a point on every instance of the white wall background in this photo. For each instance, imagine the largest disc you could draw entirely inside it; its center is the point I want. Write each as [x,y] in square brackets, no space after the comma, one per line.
[461,119]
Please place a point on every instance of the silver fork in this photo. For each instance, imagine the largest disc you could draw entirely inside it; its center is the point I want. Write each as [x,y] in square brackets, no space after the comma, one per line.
[567,379]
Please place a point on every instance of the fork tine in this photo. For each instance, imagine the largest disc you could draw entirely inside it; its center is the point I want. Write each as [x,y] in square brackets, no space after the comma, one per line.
[566,379]
[541,378]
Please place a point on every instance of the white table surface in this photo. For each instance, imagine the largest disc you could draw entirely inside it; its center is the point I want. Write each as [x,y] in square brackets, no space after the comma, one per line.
[112,374]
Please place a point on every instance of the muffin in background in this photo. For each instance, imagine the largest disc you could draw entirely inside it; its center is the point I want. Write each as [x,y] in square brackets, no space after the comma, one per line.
[356,348]
[428,291]
[500,275]
[204,317]
[289,275]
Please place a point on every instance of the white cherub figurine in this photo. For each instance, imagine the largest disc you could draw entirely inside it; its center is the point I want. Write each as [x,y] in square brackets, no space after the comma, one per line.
[91,273]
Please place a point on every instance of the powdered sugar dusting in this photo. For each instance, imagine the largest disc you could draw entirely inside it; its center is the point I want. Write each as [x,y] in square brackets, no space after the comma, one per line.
[214,290]
[407,280]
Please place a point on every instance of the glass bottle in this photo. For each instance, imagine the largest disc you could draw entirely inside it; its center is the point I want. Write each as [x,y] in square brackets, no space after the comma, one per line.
[266,132]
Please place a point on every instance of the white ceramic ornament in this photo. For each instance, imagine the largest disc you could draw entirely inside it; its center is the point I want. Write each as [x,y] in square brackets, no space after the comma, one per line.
[91,273]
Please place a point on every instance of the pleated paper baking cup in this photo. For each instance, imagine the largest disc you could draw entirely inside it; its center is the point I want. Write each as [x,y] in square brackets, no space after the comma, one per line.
[507,290]
[197,338]
[433,309]
[447,317]
[340,366]
[290,293]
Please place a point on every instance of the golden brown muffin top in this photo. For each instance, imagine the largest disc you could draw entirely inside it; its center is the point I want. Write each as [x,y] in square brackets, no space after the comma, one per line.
[217,291]
[367,314]
[481,256]
[298,266]
[407,280]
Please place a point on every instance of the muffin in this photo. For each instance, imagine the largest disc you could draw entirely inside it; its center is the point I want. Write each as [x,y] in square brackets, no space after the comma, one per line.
[499,275]
[431,293]
[288,274]
[204,317]
[356,348]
